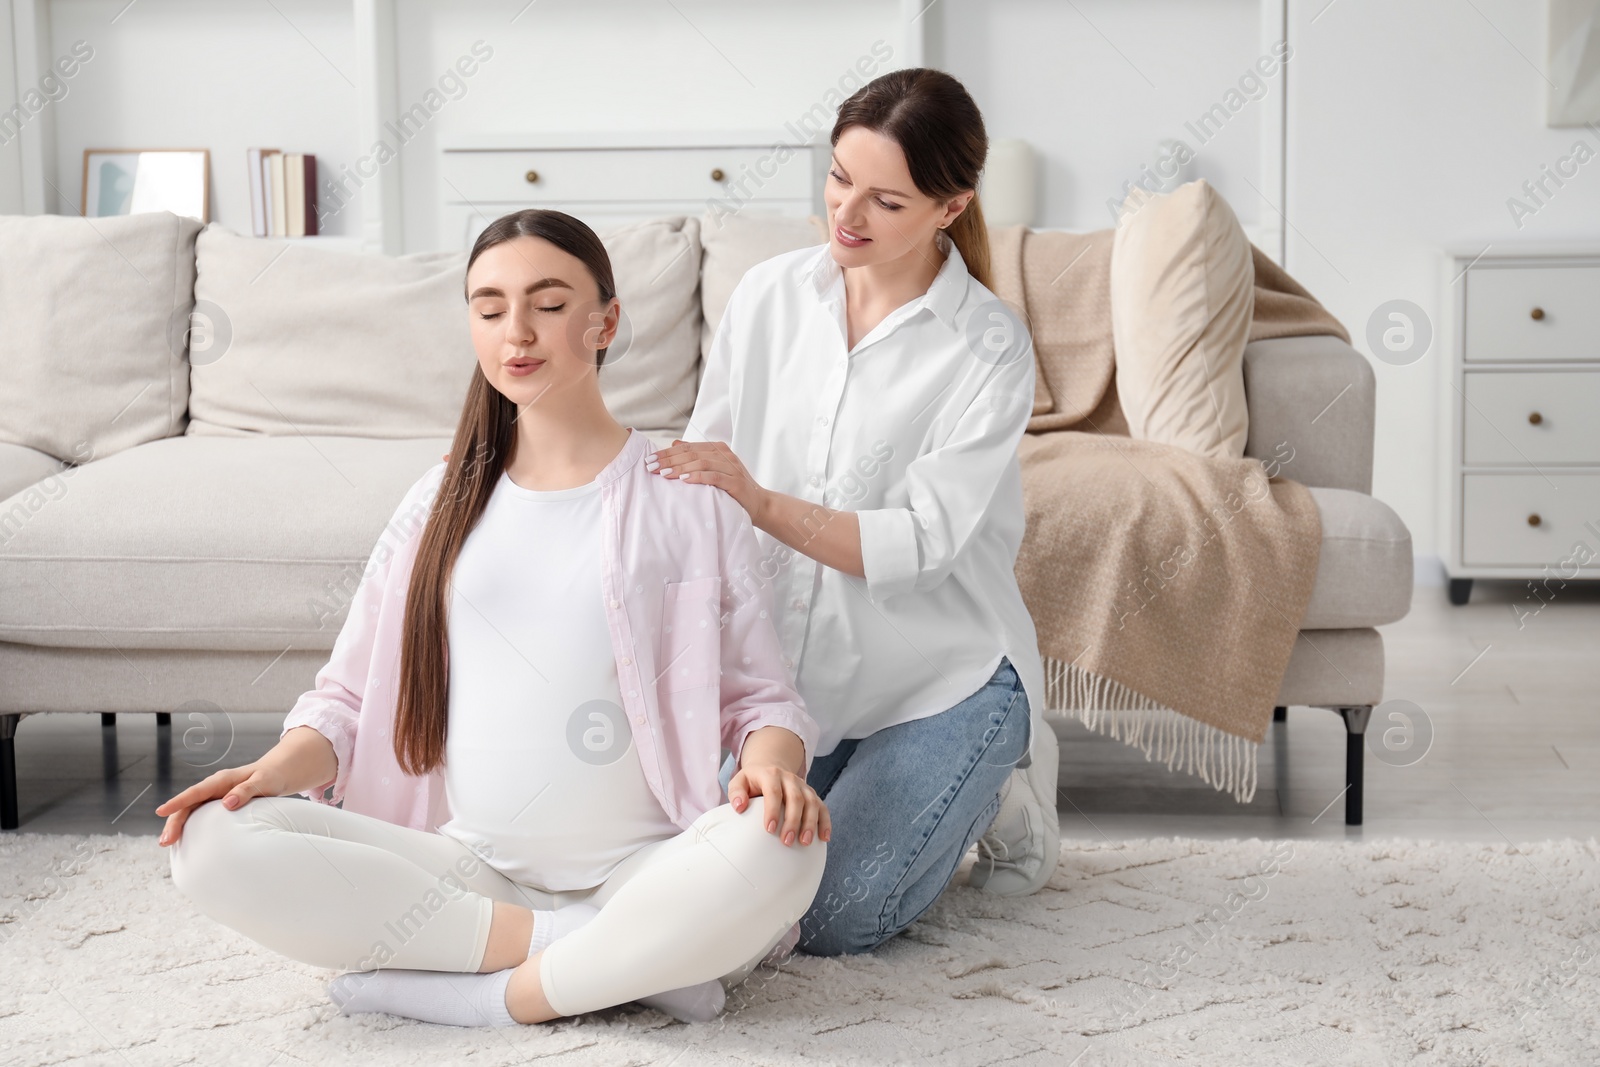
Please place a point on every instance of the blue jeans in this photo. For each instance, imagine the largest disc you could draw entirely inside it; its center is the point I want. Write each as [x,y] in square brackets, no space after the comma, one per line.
[906,803]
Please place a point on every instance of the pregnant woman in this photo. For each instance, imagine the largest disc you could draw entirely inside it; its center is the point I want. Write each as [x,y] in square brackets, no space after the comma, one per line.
[525,711]
[863,401]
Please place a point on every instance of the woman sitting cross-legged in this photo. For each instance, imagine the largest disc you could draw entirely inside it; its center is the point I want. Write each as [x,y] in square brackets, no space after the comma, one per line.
[525,711]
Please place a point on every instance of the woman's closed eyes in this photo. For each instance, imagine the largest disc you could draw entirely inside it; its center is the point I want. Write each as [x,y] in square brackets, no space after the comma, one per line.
[497,314]
[881,202]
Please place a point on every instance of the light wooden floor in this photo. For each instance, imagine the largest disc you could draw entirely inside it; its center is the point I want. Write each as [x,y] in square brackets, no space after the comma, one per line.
[1515,712]
[1515,753]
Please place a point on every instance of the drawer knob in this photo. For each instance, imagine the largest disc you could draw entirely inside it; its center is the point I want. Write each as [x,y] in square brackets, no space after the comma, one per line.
[1534,520]
[1535,418]
[716,174]
[1536,314]
[533,176]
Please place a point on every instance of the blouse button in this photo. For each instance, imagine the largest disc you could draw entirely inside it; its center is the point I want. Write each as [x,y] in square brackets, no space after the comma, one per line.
[799,604]
[626,661]
[822,420]
[615,604]
[639,719]
[814,481]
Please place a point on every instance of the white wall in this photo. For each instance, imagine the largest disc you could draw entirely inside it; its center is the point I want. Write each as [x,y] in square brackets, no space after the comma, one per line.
[10,144]
[1095,84]
[225,75]
[1410,125]
[696,65]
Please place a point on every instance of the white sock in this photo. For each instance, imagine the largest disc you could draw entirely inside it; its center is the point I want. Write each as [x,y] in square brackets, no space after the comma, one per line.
[691,1004]
[551,926]
[455,998]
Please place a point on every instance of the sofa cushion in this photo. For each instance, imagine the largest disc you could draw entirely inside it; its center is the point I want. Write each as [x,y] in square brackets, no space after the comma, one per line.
[735,243]
[651,380]
[207,542]
[1364,573]
[20,468]
[1182,298]
[321,341]
[1329,668]
[314,340]
[92,318]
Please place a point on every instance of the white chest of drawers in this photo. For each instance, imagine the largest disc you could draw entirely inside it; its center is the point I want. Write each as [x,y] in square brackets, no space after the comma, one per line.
[1521,494]
[608,179]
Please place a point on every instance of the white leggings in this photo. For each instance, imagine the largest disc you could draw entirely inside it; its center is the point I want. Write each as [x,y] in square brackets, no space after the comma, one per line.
[334,888]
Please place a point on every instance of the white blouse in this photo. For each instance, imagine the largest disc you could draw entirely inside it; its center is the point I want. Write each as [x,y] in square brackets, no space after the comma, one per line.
[915,429]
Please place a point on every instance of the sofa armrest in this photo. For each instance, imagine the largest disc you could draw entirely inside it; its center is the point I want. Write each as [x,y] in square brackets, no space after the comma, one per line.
[1311,402]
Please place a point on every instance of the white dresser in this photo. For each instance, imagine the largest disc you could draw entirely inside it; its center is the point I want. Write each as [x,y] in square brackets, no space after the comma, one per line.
[614,178]
[1522,420]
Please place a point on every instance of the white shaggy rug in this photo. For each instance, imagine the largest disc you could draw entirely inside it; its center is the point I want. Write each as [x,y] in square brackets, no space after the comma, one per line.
[1145,952]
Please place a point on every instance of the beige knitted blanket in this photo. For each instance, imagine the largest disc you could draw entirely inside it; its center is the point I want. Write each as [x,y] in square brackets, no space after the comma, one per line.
[1166,587]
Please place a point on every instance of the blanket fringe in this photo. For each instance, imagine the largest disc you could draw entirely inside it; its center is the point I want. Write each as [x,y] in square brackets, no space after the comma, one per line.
[1107,706]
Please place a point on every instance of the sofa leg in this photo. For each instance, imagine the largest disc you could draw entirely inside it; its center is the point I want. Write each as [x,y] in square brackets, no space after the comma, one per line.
[8,771]
[1355,724]
[163,718]
[1460,590]
[108,718]
[1280,714]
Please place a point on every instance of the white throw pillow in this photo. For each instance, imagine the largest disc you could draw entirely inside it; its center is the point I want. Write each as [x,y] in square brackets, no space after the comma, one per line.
[735,243]
[1182,297]
[304,339]
[315,340]
[650,382]
[92,314]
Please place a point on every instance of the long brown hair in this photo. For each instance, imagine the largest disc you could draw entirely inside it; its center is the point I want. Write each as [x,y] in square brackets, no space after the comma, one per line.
[478,453]
[936,124]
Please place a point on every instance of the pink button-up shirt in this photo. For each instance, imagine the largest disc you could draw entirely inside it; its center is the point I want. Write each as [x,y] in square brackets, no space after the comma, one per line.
[698,657]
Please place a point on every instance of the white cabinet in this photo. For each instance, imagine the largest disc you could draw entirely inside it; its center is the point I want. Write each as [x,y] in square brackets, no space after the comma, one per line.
[606,180]
[1521,495]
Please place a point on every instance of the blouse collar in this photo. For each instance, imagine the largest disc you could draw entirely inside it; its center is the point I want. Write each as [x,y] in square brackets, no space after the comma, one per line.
[943,297]
[632,455]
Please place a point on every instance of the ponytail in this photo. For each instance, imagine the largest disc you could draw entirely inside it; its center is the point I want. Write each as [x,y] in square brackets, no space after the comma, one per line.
[971,238]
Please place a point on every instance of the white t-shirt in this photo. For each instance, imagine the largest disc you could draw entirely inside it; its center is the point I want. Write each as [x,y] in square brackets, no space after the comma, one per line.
[541,773]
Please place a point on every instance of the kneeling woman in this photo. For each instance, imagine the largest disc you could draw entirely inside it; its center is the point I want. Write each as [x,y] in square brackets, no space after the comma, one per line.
[524,713]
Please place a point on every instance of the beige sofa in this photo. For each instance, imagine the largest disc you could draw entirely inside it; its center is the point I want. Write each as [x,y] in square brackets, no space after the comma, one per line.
[202,435]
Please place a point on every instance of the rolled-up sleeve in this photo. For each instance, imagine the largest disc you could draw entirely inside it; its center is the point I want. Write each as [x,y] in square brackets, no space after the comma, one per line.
[755,687]
[333,706]
[948,490]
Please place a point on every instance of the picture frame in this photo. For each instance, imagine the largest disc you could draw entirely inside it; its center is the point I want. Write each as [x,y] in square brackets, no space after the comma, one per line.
[1572,56]
[126,181]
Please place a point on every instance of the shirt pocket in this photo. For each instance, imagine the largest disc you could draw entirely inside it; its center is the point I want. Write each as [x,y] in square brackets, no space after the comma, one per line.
[691,634]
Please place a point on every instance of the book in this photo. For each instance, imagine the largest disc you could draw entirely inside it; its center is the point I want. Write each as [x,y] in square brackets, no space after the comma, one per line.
[260,190]
[300,169]
[294,193]
[309,184]
[279,215]
[283,193]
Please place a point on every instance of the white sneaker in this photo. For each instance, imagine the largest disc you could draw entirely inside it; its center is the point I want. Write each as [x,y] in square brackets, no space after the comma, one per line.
[1019,852]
